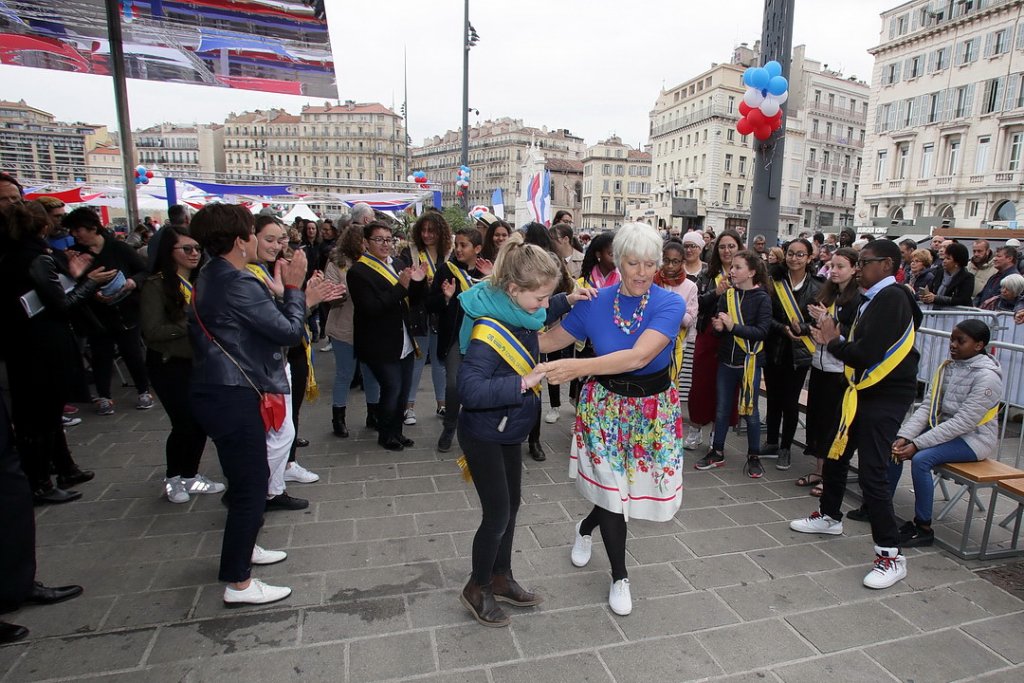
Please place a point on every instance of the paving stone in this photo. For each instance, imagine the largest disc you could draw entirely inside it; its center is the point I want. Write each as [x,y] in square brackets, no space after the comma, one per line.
[935,608]
[350,473]
[582,588]
[746,514]
[676,614]
[583,667]
[548,493]
[750,493]
[76,656]
[747,646]
[470,645]
[444,522]
[846,626]
[10,654]
[303,664]
[779,562]
[318,533]
[738,539]
[431,502]
[147,549]
[1009,675]
[436,608]
[656,580]
[307,589]
[539,513]
[848,584]
[943,656]
[398,487]
[354,509]
[151,607]
[657,549]
[1002,634]
[543,634]
[181,573]
[323,491]
[670,659]
[847,551]
[188,522]
[59,534]
[470,676]
[704,519]
[359,584]
[847,666]
[775,597]
[355,619]
[225,635]
[710,496]
[720,570]
[174,672]
[935,569]
[990,598]
[555,534]
[74,617]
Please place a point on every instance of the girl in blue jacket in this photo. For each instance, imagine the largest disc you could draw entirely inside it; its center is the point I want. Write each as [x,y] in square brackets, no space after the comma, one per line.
[500,392]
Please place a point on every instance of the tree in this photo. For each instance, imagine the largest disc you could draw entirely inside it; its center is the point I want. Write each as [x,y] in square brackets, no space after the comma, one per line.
[457,218]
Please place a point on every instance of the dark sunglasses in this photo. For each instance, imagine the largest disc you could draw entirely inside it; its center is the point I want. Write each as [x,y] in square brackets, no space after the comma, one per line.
[190,249]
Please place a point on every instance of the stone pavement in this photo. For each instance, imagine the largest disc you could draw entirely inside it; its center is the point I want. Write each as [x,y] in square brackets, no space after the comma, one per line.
[723,592]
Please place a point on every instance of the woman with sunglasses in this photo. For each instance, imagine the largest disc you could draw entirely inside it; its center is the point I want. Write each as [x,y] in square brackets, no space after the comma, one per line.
[166,296]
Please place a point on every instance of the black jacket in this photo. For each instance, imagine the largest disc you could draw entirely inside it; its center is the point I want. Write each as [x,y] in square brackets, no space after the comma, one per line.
[449,313]
[959,293]
[756,309]
[707,300]
[779,346]
[381,312]
[117,255]
[238,312]
[881,324]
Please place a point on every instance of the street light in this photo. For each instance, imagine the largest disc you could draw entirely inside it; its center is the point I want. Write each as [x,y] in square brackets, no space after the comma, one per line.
[469,39]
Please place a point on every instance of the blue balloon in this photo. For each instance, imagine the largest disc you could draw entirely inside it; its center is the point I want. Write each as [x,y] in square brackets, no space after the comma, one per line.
[773,68]
[746,77]
[778,85]
[759,78]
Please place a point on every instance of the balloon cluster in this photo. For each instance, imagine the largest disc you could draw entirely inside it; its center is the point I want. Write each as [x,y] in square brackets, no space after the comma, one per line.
[418,177]
[462,180]
[479,210]
[142,175]
[767,90]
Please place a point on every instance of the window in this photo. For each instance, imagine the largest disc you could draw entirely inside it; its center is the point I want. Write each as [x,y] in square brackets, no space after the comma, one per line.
[972,208]
[842,194]
[907,112]
[739,194]
[813,155]
[817,97]
[743,165]
[728,163]
[1013,162]
[814,125]
[993,99]
[832,194]
[725,193]
[821,189]
[891,73]
[731,135]
[731,104]
[810,185]
[962,99]
[981,155]
[881,169]
[825,158]
[953,157]
[967,52]
[927,161]
[997,42]
[902,160]
[874,210]
[915,67]
[933,105]
[938,60]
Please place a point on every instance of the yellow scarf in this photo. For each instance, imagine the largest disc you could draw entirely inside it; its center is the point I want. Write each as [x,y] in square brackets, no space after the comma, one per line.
[748,392]
[870,377]
[936,403]
[792,308]
[185,287]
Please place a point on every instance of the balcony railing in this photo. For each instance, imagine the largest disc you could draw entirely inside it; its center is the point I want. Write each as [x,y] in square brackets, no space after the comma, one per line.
[836,139]
[699,115]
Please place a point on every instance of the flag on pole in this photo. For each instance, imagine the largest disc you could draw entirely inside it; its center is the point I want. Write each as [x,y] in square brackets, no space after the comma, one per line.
[498,203]
[538,197]
[545,199]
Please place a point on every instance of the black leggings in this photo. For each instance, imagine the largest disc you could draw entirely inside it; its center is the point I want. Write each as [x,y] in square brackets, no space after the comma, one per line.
[783,384]
[300,375]
[613,533]
[497,471]
[171,382]
[129,342]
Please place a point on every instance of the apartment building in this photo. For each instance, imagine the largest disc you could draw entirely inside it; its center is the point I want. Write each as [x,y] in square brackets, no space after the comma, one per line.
[616,177]
[36,148]
[186,151]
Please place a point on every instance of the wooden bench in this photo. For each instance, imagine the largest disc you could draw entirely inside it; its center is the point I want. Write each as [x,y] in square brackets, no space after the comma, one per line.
[1013,489]
[972,478]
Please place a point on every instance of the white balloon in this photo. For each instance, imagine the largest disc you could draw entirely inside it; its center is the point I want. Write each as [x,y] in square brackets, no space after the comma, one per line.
[770,106]
[410,178]
[781,99]
[753,97]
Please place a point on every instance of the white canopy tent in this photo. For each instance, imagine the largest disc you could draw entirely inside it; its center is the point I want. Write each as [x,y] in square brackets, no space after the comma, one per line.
[299,211]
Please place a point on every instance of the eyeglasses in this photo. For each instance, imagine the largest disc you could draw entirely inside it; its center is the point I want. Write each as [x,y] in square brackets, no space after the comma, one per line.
[796,254]
[672,261]
[382,240]
[692,246]
[864,261]
[190,249]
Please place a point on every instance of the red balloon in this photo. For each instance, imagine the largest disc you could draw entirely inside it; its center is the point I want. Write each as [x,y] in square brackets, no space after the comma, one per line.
[459,193]
[763,132]
[744,108]
[775,124]
[744,127]
[149,174]
[756,117]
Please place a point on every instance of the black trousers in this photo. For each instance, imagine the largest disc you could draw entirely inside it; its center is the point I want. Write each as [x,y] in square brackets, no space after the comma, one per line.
[185,443]
[17,519]
[300,375]
[37,404]
[395,378]
[452,404]
[783,384]
[497,471]
[871,435]
[231,416]
[129,342]
[824,399]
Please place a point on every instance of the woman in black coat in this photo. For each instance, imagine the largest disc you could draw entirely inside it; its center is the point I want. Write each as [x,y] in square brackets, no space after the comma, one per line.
[43,359]
[954,285]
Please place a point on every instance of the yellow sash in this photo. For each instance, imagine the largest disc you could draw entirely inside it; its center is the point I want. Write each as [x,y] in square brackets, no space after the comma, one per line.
[505,344]
[261,273]
[460,275]
[186,289]
[936,402]
[870,377]
[748,392]
[382,269]
[677,357]
[429,263]
[792,308]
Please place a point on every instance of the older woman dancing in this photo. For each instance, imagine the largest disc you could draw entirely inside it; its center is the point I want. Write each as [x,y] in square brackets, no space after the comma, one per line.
[627,449]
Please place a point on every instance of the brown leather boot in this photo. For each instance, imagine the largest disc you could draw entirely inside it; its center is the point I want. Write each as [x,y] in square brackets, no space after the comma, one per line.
[507,589]
[479,600]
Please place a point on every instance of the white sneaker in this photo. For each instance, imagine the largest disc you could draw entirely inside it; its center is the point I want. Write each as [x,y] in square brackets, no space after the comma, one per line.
[200,484]
[694,439]
[298,473]
[175,490]
[619,598]
[890,567]
[581,548]
[817,523]
[262,556]
[258,593]
[551,417]
[327,347]
[410,416]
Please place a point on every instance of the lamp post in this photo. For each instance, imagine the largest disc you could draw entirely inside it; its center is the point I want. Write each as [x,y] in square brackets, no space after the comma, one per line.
[469,38]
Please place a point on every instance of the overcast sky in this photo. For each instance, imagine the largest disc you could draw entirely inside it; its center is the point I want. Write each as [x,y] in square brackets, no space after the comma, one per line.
[592,66]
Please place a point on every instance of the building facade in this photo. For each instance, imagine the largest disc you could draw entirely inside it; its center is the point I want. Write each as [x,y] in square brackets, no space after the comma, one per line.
[498,150]
[103,166]
[616,177]
[185,151]
[36,148]
[945,143]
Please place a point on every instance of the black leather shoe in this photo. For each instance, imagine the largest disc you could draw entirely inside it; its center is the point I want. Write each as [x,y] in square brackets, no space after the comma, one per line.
[74,477]
[300,442]
[283,501]
[444,443]
[50,595]
[54,496]
[537,453]
[407,442]
[391,444]
[858,514]
[10,633]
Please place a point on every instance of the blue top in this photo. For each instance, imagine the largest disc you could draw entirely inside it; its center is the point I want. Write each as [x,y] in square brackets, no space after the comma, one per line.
[594,320]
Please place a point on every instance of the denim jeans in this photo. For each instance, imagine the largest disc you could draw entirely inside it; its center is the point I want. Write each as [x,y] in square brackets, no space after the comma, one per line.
[921,467]
[428,347]
[371,387]
[344,371]
[727,385]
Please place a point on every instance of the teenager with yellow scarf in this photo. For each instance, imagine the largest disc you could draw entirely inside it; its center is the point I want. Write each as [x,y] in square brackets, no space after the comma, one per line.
[743,319]
[881,372]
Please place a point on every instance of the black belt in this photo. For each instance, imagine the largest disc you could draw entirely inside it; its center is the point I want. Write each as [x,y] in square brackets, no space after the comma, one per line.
[636,386]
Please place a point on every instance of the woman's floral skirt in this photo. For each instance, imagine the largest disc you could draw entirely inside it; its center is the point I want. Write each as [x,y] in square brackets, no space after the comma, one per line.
[627,453]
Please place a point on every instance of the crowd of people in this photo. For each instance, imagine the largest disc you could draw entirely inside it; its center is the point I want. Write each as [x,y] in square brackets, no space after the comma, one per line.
[218,315]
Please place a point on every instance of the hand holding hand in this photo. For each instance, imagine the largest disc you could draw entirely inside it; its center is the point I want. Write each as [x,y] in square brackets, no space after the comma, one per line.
[78,263]
[581,294]
[534,378]
[293,273]
[561,371]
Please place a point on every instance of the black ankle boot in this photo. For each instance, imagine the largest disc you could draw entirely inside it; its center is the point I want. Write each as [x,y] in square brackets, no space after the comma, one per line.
[338,421]
[371,415]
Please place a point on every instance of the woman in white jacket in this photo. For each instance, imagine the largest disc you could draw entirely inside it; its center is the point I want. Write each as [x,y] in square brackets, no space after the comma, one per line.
[956,423]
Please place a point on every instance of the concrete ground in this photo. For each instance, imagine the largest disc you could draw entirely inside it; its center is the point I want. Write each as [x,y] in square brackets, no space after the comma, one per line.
[723,592]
